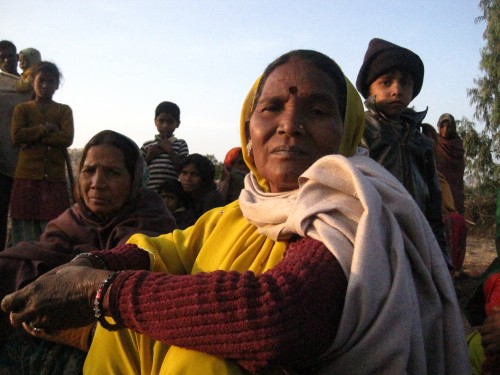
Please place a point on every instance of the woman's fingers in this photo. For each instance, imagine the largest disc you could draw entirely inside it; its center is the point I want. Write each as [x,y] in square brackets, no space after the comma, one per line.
[59,300]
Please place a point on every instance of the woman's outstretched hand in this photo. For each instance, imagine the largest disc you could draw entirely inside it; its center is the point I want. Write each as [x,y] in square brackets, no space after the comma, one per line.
[62,298]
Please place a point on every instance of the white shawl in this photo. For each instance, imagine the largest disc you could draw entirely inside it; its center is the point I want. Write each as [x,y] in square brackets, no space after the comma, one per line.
[401,313]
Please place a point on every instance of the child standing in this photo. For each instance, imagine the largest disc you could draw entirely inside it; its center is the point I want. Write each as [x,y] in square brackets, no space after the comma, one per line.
[389,79]
[28,58]
[43,129]
[164,153]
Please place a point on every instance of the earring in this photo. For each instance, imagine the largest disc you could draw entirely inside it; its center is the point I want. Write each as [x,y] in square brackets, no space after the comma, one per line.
[249,148]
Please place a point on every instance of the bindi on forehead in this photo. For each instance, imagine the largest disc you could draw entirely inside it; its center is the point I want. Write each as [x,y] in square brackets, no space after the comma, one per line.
[293,90]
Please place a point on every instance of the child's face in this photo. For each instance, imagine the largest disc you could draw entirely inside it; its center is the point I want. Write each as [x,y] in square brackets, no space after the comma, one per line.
[23,62]
[45,85]
[171,201]
[393,92]
[166,124]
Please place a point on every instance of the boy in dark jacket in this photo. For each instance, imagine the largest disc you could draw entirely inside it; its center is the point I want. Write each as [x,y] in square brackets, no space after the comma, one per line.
[389,79]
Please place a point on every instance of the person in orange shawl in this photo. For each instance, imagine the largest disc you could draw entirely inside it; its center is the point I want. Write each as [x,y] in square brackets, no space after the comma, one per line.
[233,173]
[325,264]
[111,205]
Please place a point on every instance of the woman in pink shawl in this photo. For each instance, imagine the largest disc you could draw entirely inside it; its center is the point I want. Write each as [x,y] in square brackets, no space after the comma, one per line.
[450,158]
[111,205]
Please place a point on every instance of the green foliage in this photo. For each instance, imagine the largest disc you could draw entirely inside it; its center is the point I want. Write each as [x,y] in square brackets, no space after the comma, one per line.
[482,148]
[485,95]
[482,174]
[217,164]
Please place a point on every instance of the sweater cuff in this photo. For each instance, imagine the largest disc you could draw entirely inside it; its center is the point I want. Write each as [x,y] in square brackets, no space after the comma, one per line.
[125,257]
[114,294]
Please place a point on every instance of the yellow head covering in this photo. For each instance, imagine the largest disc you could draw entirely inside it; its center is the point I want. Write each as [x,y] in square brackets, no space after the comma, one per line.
[351,135]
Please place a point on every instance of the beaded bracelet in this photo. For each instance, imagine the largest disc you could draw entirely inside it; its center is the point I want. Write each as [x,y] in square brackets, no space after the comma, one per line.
[93,259]
[99,297]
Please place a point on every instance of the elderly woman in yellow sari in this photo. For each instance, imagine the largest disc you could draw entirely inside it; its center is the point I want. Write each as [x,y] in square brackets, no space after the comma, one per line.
[324,264]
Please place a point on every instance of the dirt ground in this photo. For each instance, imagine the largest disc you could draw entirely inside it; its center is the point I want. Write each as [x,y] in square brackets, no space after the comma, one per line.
[479,254]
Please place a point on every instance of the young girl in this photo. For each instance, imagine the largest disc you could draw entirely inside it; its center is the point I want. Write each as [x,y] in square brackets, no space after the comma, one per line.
[43,129]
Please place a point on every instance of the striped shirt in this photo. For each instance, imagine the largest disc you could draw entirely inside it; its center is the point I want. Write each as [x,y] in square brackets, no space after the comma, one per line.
[161,168]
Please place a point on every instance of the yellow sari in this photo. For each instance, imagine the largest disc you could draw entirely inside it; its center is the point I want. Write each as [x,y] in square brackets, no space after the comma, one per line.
[222,239]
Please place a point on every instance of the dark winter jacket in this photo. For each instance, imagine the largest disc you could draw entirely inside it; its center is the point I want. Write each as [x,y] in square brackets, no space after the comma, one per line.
[409,155]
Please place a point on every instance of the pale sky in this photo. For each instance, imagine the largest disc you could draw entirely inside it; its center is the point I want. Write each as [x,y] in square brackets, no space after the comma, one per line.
[120,58]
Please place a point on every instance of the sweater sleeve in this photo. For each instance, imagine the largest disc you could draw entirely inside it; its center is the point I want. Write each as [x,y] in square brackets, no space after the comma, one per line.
[63,117]
[286,316]
[124,257]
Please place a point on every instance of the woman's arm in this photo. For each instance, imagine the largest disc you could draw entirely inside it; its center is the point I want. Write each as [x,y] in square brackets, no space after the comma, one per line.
[288,315]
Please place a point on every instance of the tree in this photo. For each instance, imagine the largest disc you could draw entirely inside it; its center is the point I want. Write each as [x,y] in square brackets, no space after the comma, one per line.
[216,163]
[485,95]
[482,149]
[481,172]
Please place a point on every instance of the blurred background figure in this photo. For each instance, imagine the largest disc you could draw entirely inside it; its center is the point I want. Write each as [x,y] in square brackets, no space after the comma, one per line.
[175,199]
[232,175]
[454,223]
[164,153]
[43,129]
[9,98]
[450,158]
[28,58]
[196,175]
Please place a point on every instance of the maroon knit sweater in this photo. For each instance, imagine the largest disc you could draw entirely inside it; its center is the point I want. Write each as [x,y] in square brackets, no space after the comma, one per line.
[287,316]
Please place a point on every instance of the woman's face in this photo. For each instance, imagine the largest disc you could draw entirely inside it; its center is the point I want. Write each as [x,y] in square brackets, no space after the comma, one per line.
[190,178]
[445,129]
[296,121]
[105,183]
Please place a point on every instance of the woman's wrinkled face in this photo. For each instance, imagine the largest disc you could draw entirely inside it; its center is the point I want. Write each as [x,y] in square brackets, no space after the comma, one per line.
[104,181]
[296,121]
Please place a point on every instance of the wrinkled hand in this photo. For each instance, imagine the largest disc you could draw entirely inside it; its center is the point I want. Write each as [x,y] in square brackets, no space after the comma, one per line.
[60,299]
[490,332]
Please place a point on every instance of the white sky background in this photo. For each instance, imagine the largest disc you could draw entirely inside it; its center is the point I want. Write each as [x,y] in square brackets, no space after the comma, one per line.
[120,58]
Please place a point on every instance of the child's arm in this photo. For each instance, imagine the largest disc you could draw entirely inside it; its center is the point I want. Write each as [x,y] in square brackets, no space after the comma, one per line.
[22,131]
[175,157]
[63,137]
